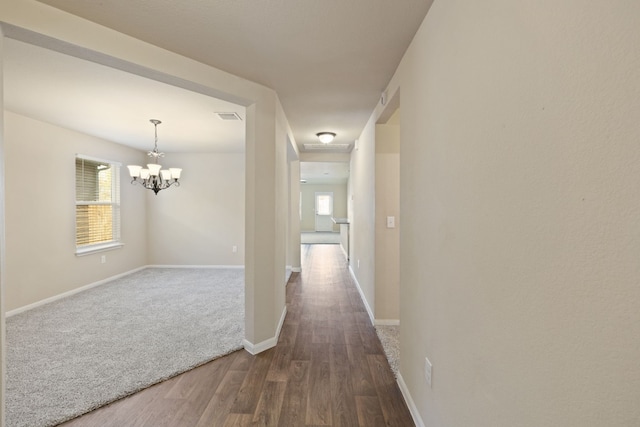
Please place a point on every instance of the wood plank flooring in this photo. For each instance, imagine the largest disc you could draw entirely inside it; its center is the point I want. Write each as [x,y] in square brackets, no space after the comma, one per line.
[328,369]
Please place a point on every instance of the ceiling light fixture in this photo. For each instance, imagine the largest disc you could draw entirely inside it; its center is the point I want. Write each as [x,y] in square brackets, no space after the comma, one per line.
[326,137]
[153,177]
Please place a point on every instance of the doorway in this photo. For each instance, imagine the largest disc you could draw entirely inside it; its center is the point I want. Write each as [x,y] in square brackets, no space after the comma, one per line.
[324,211]
[323,197]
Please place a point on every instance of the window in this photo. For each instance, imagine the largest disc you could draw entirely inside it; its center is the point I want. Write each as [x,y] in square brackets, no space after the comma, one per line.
[97,205]
[324,204]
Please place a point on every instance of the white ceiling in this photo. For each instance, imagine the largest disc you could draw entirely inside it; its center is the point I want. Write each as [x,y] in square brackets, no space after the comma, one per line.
[328,60]
[114,105]
[324,172]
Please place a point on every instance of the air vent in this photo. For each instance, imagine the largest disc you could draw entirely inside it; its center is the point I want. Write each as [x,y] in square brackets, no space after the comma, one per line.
[326,147]
[229,116]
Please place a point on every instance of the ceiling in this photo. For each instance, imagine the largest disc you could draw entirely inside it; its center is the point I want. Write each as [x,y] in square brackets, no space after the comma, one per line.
[324,172]
[328,60]
[114,105]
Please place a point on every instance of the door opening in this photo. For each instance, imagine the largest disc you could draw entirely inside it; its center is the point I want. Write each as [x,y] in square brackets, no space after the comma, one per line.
[324,211]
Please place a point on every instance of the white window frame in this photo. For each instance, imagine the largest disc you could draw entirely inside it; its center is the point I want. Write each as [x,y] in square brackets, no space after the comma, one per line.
[115,242]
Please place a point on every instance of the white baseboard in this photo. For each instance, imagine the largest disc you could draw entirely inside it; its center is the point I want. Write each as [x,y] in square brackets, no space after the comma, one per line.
[410,403]
[387,322]
[344,251]
[362,297]
[194,266]
[268,343]
[296,269]
[69,293]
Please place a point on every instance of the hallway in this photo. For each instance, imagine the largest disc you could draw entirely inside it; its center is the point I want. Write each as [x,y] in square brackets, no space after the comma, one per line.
[328,369]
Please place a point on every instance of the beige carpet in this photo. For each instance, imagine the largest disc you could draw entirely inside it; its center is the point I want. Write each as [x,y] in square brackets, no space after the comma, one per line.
[390,338]
[73,355]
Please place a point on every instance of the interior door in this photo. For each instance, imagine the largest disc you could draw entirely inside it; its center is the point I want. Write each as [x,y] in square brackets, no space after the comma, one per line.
[324,211]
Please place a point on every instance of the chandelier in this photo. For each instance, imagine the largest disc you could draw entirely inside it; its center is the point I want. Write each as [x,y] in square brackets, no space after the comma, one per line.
[154,177]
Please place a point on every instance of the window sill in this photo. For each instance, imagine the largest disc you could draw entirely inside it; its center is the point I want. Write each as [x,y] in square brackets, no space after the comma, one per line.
[98,248]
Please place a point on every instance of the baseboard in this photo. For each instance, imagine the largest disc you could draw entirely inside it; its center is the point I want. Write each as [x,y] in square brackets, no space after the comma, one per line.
[344,251]
[69,293]
[268,343]
[287,274]
[362,297]
[387,322]
[296,269]
[410,403]
[194,266]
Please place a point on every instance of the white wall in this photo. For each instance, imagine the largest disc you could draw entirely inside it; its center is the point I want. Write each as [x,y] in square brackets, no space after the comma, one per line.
[3,239]
[387,203]
[199,222]
[362,214]
[293,252]
[40,212]
[520,199]
[308,221]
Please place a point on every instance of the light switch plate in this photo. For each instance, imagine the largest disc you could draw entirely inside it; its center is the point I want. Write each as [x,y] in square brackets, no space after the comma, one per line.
[391,222]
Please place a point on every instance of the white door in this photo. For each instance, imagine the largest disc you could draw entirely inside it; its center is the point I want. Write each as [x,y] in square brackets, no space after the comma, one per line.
[324,211]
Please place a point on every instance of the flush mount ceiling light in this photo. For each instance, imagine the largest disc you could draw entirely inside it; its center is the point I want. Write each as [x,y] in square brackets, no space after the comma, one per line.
[153,178]
[325,137]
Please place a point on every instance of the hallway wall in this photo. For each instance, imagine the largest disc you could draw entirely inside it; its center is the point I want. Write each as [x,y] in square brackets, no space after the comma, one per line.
[387,202]
[520,201]
[362,214]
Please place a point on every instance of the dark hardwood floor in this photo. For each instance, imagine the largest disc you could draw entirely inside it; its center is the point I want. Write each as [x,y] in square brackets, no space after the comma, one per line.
[328,369]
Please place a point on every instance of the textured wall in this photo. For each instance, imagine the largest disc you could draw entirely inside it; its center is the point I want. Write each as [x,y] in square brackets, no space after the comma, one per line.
[362,213]
[520,200]
[199,222]
[387,203]
[40,258]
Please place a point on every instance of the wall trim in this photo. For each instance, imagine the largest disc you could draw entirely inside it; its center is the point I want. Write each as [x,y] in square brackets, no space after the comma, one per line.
[409,401]
[362,297]
[296,269]
[387,322]
[71,292]
[268,343]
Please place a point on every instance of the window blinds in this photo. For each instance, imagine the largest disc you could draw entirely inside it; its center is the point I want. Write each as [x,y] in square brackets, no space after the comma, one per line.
[97,202]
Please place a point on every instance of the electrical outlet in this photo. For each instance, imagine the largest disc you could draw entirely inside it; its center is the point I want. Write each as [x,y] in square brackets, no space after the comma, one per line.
[358,263]
[427,371]
[234,249]
[103,260]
